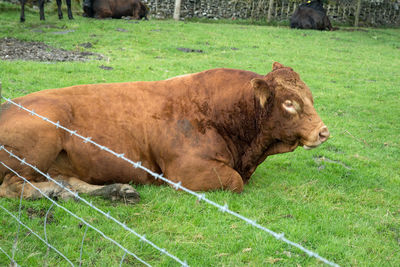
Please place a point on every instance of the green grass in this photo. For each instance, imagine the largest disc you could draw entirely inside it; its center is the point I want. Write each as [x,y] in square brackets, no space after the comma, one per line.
[341,200]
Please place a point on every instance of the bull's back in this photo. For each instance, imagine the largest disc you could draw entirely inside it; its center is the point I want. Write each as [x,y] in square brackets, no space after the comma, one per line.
[140,119]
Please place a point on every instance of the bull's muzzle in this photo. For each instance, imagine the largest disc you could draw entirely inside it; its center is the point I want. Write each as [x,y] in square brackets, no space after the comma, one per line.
[322,136]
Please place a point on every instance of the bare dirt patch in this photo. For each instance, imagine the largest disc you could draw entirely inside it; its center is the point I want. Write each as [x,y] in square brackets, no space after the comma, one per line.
[14,49]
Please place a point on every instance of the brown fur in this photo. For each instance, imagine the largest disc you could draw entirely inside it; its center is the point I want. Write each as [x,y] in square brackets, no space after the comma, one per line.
[209,130]
[115,9]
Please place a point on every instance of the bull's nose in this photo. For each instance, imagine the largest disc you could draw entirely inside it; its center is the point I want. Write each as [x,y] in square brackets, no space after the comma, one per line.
[323,134]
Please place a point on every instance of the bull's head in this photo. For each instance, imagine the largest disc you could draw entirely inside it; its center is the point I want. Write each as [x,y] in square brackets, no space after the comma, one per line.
[292,120]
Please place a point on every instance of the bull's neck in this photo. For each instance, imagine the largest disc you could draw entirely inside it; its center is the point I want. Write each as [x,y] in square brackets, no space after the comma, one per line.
[242,132]
[256,152]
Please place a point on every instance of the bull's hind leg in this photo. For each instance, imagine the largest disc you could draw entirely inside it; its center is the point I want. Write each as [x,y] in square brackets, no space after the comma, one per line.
[115,192]
[41,9]
[69,9]
[13,186]
[59,10]
[22,17]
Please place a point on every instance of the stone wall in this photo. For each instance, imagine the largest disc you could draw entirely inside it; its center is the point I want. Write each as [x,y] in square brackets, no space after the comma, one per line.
[372,13]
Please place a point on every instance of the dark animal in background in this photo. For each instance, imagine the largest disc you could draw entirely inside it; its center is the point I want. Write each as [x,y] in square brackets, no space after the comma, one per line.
[116,9]
[41,9]
[311,15]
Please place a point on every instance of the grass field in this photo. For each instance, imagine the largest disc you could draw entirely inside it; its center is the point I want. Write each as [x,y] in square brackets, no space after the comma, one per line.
[341,200]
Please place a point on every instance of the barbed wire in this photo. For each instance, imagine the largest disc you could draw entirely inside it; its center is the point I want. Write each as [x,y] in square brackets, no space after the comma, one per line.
[107,215]
[177,185]
[72,214]
[35,234]
[12,261]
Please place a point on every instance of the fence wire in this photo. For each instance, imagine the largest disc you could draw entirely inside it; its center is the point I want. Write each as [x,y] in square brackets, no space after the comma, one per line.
[76,196]
[69,212]
[177,185]
[35,234]
[12,261]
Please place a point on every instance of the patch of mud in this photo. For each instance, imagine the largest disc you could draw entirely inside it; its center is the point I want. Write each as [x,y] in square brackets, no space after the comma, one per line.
[86,45]
[33,213]
[354,30]
[189,50]
[121,30]
[14,49]
[106,67]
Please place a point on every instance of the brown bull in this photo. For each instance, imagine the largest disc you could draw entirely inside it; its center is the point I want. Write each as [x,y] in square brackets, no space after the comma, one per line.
[209,130]
[101,9]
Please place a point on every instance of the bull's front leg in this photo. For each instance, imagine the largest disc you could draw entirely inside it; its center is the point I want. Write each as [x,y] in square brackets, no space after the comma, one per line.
[60,14]
[204,175]
[41,9]
[69,9]
[22,17]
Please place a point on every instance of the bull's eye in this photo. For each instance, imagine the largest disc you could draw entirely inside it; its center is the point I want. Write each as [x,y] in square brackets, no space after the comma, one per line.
[288,103]
[290,107]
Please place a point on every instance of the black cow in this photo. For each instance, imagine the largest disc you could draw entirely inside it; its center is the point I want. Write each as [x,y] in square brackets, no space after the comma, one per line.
[41,9]
[115,9]
[311,15]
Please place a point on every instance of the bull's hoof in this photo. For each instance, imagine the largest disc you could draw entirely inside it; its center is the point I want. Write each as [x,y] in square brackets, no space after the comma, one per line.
[118,192]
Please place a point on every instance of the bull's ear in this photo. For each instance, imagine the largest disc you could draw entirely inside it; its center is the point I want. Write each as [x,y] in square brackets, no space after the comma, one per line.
[261,90]
[276,66]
